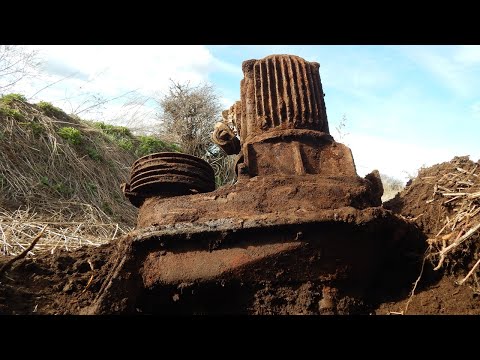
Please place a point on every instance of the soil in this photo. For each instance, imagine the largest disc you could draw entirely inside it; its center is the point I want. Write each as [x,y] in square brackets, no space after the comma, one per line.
[52,284]
[437,292]
[65,283]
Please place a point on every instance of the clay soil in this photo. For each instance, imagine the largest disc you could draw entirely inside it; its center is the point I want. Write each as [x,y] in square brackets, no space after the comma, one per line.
[65,282]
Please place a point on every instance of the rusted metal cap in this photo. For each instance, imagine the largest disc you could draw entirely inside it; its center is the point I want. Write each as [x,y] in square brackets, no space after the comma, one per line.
[168,174]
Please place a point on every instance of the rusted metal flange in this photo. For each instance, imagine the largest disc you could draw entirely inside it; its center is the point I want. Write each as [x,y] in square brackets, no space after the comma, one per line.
[168,174]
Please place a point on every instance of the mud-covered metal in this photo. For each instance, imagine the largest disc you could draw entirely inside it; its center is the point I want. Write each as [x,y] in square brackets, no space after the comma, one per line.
[168,174]
[297,216]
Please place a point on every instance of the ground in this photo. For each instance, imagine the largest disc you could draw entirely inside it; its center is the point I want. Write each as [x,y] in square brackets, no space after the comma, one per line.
[67,281]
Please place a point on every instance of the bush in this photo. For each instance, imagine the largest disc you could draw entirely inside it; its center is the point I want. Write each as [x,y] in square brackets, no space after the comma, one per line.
[125,144]
[72,135]
[116,131]
[50,110]
[150,144]
[8,99]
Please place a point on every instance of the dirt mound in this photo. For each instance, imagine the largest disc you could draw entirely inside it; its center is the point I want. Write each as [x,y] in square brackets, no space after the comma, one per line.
[443,201]
[427,197]
[442,298]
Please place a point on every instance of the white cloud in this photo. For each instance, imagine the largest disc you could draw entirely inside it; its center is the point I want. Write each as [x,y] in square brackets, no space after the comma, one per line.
[468,54]
[451,65]
[396,158]
[110,71]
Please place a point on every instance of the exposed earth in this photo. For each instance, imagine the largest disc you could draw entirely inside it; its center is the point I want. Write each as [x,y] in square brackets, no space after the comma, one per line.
[67,282]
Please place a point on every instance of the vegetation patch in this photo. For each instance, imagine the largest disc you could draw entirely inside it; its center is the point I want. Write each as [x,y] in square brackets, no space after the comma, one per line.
[93,153]
[151,144]
[50,110]
[10,98]
[72,135]
[13,113]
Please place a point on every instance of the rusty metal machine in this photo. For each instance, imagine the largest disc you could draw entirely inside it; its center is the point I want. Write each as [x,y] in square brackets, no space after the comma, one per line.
[298,221]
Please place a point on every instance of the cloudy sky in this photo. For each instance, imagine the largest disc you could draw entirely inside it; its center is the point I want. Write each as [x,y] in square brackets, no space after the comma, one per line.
[405,106]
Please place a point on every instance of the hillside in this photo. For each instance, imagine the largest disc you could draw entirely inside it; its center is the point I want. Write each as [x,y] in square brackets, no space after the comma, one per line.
[64,172]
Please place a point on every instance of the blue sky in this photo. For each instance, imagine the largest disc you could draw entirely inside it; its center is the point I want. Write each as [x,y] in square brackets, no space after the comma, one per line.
[405,106]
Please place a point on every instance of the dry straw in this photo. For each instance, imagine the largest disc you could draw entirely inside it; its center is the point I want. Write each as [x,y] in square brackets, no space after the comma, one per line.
[46,179]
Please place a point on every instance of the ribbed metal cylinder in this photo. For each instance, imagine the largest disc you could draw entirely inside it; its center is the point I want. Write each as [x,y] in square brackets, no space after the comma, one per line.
[281,92]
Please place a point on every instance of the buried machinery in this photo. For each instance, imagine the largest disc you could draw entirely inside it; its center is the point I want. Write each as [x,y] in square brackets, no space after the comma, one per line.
[299,226]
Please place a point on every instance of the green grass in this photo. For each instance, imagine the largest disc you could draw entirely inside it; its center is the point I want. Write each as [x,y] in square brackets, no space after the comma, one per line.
[72,135]
[140,146]
[120,135]
[5,106]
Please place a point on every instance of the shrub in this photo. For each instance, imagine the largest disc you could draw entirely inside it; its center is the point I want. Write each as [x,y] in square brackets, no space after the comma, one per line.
[125,144]
[49,109]
[151,144]
[116,131]
[9,98]
[72,135]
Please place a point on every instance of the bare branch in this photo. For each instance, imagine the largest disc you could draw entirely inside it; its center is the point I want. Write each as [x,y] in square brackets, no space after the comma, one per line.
[16,64]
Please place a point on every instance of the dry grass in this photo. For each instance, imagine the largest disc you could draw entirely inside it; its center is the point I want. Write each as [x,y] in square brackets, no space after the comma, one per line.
[70,184]
[18,228]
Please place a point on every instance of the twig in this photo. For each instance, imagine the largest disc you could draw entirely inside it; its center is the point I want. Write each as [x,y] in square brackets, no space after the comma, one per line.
[457,242]
[415,284]
[461,282]
[91,277]
[24,253]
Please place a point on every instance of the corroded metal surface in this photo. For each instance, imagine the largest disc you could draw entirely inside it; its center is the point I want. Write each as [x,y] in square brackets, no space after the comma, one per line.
[280,125]
[168,174]
[298,213]
[281,91]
